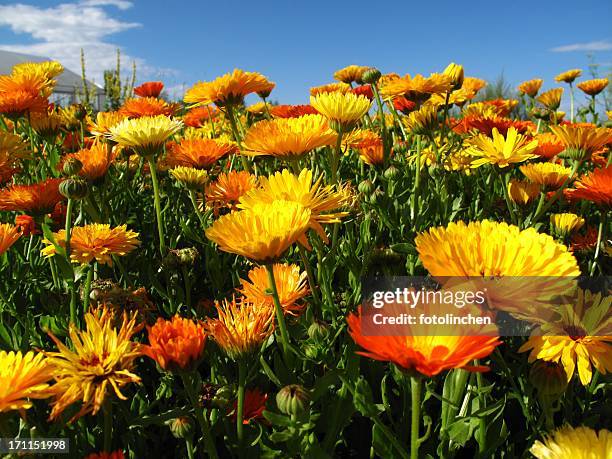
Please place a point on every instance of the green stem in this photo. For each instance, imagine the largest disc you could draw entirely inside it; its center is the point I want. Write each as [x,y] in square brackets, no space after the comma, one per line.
[230,116]
[204,426]
[194,203]
[482,422]
[280,316]
[602,227]
[416,388]
[336,158]
[189,447]
[240,405]
[87,288]
[543,210]
[571,102]
[68,226]
[504,186]
[160,222]
[310,275]
[385,137]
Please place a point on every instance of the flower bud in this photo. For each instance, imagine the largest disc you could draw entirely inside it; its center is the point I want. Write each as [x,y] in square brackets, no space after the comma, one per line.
[366,187]
[455,72]
[80,112]
[391,172]
[549,378]
[72,166]
[371,75]
[577,154]
[318,331]
[74,188]
[181,427]
[293,400]
[223,397]
[188,256]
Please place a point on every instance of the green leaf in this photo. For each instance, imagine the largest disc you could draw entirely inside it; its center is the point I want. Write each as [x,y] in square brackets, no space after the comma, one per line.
[277,419]
[381,444]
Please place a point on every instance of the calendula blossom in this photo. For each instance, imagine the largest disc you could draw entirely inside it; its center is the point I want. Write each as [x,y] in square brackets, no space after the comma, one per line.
[582,141]
[343,110]
[593,87]
[227,189]
[8,236]
[37,198]
[531,87]
[546,174]
[350,74]
[568,76]
[190,178]
[566,223]
[523,192]
[551,99]
[596,187]
[146,135]
[575,443]
[228,89]
[199,153]
[499,150]
[23,378]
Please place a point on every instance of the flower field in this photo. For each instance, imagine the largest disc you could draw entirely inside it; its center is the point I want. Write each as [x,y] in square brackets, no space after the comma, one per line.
[186,278]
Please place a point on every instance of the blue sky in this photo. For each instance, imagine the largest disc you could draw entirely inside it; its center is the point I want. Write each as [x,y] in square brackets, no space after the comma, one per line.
[301,44]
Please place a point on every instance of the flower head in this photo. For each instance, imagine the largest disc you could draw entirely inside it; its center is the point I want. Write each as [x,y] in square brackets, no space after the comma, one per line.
[566,223]
[190,178]
[16,104]
[228,188]
[424,120]
[26,224]
[350,74]
[582,141]
[228,89]
[323,202]
[549,145]
[8,236]
[149,89]
[146,106]
[546,174]
[342,109]
[331,87]
[596,187]
[290,283]
[568,76]
[38,198]
[176,343]
[417,88]
[96,160]
[593,87]
[199,153]
[551,99]
[104,122]
[288,137]
[523,192]
[263,232]
[499,150]
[146,135]
[369,145]
[531,87]
[254,406]
[198,116]
[577,443]
[292,111]
[95,241]
[23,377]
[241,327]
[100,360]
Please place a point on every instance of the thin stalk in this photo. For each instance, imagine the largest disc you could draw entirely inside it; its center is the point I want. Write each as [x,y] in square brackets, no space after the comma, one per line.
[87,288]
[381,114]
[212,121]
[416,385]
[240,408]
[158,214]
[68,230]
[230,116]
[571,102]
[280,316]
[209,444]
[194,203]
[602,227]
[336,158]
[482,422]
[189,447]
[543,210]
[504,186]
[310,275]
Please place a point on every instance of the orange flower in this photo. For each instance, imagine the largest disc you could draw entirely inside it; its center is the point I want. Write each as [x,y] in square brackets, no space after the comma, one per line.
[38,198]
[228,188]
[429,355]
[530,87]
[417,88]
[549,145]
[290,283]
[17,103]
[8,235]
[364,90]
[331,87]
[551,99]
[369,145]
[593,87]
[473,85]
[26,224]
[199,153]
[197,116]
[350,74]
[96,160]
[147,106]
[176,343]
[104,455]
[486,124]
[149,89]
[584,242]
[595,187]
[569,76]
[23,377]
[503,107]
[228,89]
[254,406]
[404,105]
[292,111]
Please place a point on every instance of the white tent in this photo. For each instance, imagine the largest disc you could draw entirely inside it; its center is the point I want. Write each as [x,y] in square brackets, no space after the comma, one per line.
[68,82]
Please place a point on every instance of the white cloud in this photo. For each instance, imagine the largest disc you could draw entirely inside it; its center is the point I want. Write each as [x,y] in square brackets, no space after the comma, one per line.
[61,31]
[601,45]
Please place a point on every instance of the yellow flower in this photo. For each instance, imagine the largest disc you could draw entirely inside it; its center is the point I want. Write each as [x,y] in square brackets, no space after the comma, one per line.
[331,87]
[241,327]
[424,120]
[104,122]
[569,76]
[322,201]
[146,135]
[228,89]
[566,223]
[101,359]
[13,145]
[257,108]
[290,283]
[47,125]
[531,87]
[551,99]
[480,109]
[492,249]
[579,337]
[546,174]
[418,88]
[288,137]
[593,87]
[190,178]
[23,377]
[263,232]
[473,85]
[500,151]
[94,241]
[339,108]
[455,73]
[582,141]
[50,69]
[523,192]
[8,236]
[350,74]
[574,443]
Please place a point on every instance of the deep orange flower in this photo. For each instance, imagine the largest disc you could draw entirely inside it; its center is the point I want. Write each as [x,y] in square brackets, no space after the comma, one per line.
[26,225]
[104,455]
[17,103]
[593,87]
[38,198]
[502,106]
[147,106]
[583,242]
[569,76]
[175,343]
[228,188]
[549,145]
[96,160]
[199,153]
[595,187]
[292,111]
[486,124]
[364,90]
[149,89]
[404,105]
[254,406]
[8,235]
[369,145]
[428,355]
[197,116]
